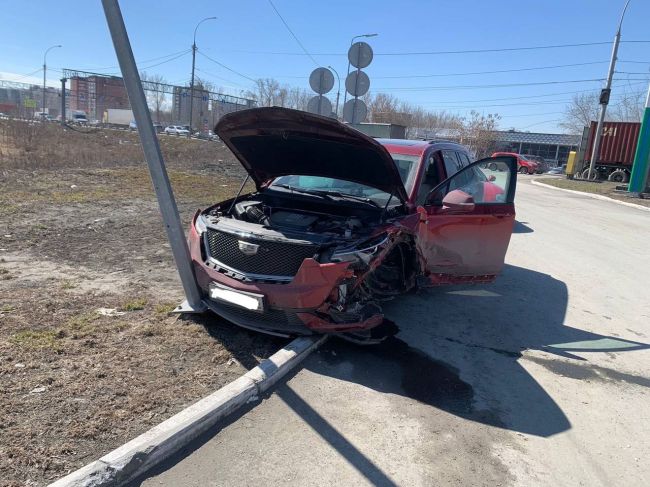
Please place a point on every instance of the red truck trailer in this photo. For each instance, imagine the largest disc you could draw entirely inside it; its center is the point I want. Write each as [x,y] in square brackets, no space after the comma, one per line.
[617,148]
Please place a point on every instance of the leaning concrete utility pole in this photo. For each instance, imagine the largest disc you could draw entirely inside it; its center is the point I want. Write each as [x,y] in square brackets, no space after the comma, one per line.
[604,100]
[641,166]
[193,64]
[154,158]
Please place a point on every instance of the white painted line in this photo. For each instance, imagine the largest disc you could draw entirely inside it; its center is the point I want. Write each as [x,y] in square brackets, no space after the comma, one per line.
[136,457]
[592,195]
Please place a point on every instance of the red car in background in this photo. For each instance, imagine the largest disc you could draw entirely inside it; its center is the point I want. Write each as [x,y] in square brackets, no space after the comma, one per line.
[340,222]
[525,165]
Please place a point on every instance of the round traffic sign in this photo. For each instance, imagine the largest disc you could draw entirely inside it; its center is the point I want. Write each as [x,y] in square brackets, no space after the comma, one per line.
[360,54]
[321,80]
[320,105]
[357,83]
[355,111]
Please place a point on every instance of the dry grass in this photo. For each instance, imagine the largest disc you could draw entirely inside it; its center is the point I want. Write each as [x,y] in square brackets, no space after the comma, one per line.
[30,145]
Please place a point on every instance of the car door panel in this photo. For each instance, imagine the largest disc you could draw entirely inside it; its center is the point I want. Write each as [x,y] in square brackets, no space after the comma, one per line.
[469,246]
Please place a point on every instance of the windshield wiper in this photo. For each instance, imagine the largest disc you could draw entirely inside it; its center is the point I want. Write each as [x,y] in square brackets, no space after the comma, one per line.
[295,189]
[327,193]
[338,194]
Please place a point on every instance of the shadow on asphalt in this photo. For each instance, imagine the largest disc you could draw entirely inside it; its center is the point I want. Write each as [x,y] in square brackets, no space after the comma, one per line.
[445,334]
[521,227]
[480,326]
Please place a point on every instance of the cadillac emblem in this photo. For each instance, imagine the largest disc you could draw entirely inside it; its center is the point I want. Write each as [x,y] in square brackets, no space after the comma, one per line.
[247,248]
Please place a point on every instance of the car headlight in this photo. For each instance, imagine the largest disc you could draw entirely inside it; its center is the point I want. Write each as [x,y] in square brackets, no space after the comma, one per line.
[200,224]
[363,251]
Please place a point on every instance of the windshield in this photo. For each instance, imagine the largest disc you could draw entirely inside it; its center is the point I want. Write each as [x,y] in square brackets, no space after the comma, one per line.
[406,166]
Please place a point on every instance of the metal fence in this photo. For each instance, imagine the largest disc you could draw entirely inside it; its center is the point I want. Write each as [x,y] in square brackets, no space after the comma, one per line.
[94,94]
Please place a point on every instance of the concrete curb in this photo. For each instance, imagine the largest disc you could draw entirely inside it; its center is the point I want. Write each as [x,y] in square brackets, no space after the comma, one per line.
[136,457]
[592,195]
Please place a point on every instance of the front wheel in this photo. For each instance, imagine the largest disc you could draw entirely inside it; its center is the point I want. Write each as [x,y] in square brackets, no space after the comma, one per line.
[589,174]
[523,170]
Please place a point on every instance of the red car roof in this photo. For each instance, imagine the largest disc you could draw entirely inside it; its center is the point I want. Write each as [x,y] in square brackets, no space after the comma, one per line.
[403,146]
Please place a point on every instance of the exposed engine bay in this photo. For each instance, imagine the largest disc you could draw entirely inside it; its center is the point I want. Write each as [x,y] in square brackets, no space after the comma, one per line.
[303,219]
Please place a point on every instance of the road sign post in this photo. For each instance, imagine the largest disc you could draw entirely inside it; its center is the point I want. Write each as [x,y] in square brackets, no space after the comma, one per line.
[357,83]
[641,166]
[153,156]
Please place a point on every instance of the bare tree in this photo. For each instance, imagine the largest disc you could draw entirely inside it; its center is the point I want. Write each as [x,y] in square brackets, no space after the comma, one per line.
[477,132]
[580,112]
[155,98]
[584,108]
[298,98]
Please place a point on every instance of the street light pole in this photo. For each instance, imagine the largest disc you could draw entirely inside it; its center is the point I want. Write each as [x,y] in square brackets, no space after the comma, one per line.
[345,95]
[193,64]
[45,76]
[604,100]
[338,92]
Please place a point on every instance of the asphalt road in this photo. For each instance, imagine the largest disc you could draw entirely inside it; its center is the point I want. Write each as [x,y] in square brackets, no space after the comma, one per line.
[541,378]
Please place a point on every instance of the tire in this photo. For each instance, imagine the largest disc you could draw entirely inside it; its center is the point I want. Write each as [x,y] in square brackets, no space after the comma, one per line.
[591,175]
[523,170]
[618,176]
[492,166]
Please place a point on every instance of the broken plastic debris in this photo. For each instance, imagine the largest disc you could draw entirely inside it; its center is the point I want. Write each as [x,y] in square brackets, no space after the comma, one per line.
[19,366]
[38,390]
[110,312]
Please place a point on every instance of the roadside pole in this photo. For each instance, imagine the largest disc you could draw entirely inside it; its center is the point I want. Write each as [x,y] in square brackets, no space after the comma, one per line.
[641,166]
[604,100]
[154,158]
[63,80]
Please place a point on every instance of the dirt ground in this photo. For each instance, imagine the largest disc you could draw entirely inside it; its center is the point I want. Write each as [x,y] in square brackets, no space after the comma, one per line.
[90,356]
[605,188]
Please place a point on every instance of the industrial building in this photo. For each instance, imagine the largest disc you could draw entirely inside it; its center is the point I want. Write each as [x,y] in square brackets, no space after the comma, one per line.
[549,146]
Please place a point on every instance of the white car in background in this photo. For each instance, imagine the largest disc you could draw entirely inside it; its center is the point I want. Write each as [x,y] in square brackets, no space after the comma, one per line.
[176,130]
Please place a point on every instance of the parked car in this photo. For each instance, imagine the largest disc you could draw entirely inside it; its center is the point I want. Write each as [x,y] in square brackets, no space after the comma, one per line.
[524,164]
[176,130]
[133,125]
[340,222]
[542,165]
[158,128]
[557,170]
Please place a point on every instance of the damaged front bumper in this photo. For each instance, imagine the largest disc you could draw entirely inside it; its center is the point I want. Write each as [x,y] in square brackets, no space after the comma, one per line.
[314,301]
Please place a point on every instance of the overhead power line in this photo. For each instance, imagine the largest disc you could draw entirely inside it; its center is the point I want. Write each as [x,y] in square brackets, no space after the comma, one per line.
[226,67]
[471,73]
[220,78]
[503,85]
[175,55]
[292,33]
[435,53]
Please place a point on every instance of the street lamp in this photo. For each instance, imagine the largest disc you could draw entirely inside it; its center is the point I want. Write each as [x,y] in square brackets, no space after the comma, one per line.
[604,100]
[338,92]
[45,77]
[345,96]
[193,63]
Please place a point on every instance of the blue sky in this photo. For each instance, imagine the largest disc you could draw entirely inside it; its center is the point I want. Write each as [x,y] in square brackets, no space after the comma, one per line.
[249,38]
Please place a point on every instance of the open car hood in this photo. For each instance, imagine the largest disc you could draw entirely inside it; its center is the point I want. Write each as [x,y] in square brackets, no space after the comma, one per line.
[272,142]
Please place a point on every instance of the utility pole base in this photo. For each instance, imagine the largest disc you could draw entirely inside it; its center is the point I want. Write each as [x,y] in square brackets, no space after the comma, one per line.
[186,308]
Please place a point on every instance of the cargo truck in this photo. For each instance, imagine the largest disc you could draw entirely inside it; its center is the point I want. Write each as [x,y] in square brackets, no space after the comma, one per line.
[117,117]
[616,153]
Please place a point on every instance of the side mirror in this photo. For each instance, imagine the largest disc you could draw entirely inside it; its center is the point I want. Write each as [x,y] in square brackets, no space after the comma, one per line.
[458,201]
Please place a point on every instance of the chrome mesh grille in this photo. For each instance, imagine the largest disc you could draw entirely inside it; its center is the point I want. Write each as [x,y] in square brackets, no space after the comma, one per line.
[272,258]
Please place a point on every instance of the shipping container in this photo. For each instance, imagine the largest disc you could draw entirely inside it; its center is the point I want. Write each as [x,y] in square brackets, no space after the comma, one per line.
[617,149]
